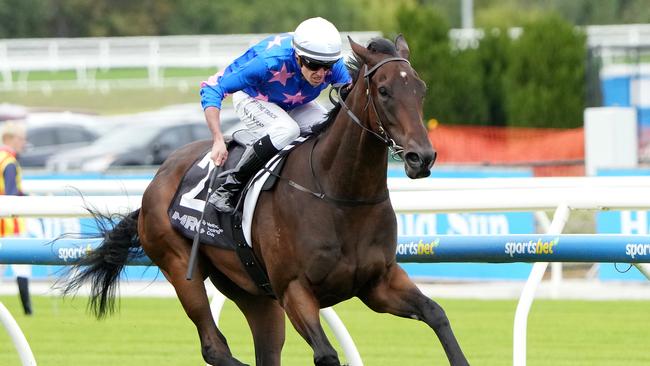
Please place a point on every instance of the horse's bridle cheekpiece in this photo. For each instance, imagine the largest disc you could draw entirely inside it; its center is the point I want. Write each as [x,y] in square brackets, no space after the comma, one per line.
[383,133]
[383,136]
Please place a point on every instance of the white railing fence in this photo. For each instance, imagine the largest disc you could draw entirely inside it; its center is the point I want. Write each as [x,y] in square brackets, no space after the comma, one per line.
[87,55]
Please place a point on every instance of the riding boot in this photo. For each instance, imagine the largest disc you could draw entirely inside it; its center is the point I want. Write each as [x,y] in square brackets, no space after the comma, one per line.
[251,162]
[23,290]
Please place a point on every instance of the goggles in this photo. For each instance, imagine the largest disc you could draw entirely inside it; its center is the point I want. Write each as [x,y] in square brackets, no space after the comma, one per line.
[315,65]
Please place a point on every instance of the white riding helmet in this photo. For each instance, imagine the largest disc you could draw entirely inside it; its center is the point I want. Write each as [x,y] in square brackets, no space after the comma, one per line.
[317,39]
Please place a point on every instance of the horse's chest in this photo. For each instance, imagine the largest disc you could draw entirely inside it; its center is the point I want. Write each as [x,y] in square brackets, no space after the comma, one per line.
[340,277]
[342,253]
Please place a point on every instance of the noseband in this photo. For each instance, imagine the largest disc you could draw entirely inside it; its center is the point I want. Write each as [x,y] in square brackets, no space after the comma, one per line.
[383,133]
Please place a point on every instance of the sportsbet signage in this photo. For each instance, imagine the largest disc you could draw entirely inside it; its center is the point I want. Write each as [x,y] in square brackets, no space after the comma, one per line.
[424,225]
[623,222]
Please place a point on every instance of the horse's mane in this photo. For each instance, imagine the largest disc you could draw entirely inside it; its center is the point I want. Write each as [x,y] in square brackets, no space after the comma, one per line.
[376,45]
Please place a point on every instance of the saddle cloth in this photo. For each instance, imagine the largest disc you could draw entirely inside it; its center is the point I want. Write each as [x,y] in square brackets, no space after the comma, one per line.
[218,229]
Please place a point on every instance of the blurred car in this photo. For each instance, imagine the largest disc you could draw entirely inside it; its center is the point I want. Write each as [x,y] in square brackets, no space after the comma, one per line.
[50,133]
[140,143]
[12,111]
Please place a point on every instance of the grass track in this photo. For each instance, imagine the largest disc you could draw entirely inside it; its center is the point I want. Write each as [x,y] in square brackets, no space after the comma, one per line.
[114,101]
[150,331]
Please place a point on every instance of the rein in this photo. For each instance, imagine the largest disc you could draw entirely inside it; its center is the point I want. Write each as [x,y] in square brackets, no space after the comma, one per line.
[383,136]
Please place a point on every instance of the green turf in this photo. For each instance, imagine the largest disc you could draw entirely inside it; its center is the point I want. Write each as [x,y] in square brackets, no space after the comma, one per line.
[156,331]
[110,101]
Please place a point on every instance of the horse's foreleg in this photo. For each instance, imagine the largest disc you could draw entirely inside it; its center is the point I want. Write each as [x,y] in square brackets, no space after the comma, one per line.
[265,318]
[396,294]
[303,311]
[193,297]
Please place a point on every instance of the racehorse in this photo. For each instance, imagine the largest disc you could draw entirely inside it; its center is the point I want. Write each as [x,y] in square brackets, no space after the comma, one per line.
[317,249]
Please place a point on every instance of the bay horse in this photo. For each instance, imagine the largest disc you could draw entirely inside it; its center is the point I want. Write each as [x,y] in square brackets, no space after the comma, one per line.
[317,250]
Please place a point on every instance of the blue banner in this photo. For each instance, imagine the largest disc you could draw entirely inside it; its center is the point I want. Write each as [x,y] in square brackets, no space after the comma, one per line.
[427,249]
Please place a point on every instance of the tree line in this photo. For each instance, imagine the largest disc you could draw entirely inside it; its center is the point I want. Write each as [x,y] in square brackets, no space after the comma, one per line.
[100,18]
[534,80]
[537,79]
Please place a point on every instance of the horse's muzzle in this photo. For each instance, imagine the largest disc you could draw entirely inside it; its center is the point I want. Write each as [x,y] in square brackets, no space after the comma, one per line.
[418,164]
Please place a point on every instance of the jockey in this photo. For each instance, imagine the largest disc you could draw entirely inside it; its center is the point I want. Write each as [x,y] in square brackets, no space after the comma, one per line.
[274,86]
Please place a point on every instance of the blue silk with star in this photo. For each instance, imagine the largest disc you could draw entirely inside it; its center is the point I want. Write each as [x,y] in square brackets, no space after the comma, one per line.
[269,71]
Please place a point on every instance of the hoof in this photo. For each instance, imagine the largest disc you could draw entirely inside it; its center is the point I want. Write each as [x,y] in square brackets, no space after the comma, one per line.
[327,361]
[228,362]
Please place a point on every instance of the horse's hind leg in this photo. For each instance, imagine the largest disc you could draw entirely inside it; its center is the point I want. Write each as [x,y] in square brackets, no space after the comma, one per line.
[193,297]
[396,294]
[303,311]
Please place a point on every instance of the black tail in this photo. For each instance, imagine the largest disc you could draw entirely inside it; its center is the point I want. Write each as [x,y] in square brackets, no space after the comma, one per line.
[102,266]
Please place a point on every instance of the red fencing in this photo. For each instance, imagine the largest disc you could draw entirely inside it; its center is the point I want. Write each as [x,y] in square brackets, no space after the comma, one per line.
[550,152]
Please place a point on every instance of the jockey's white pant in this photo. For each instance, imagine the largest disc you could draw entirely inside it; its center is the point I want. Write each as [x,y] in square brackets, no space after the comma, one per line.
[265,118]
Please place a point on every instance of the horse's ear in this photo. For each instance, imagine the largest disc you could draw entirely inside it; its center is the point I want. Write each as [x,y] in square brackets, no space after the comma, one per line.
[402,47]
[359,50]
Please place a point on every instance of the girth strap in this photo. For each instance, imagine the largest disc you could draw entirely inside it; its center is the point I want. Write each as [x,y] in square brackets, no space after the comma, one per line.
[250,262]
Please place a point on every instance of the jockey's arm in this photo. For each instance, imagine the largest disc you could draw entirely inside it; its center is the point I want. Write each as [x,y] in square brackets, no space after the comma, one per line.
[213,92]
[219,151]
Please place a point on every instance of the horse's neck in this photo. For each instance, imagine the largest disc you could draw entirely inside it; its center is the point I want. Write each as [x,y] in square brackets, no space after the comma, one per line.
[352,162]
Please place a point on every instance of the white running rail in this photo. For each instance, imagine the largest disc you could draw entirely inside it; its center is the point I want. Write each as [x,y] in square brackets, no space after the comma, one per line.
[87,55]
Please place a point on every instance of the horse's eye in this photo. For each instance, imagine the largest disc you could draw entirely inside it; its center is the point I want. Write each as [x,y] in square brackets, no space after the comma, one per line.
[383,91]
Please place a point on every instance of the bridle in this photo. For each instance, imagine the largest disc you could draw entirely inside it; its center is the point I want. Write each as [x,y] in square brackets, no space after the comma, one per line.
[383,135]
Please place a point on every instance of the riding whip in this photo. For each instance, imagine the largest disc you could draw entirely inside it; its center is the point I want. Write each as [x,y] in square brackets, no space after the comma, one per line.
[195,242]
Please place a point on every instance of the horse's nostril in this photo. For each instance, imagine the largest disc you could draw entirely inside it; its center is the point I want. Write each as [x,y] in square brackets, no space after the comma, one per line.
[413,159]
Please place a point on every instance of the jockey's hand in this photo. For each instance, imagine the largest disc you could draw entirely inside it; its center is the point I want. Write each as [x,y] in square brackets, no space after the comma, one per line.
[219,152]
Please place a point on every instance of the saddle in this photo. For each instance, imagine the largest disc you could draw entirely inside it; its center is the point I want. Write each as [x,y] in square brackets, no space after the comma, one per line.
[225,231]
[218,229]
